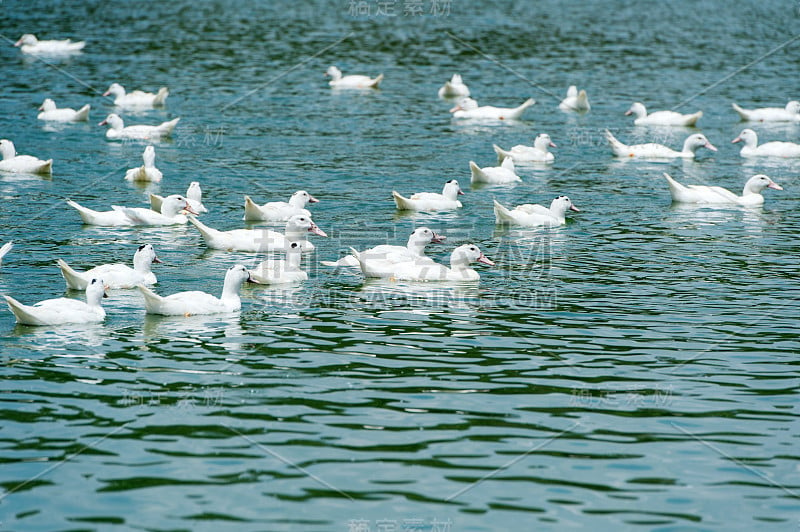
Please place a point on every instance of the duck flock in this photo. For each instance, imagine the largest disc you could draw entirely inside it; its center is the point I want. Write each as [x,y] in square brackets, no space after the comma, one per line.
[398,262]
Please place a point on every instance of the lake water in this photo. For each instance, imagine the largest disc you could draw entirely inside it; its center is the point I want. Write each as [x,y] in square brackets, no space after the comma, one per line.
[635,369]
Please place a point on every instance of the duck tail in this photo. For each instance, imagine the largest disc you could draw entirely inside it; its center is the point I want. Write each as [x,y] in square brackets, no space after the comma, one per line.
[521,109]
[402,203]
[75,280]
[741,112]
[617,147]
[167,127]
[694,118]
[152,301]
[46,168]
[82,114]
[477,173]
[502,154]
[5,249]
[161,97]
[501,214]
[207,232]
[251,210]
[376,81]
[155,202]
[21,312]
[84,212]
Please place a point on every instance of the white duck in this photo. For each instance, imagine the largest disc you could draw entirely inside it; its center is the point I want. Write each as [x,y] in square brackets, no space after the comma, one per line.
[278,211]
[136,99]
[352,81]
[413,250]
[62,310]
[768,149]
[51,113]
[538,153]
[575,101]
[454,88]
[431,201]
[22,164]
[148,171]
[29,44]
[114,275]
[468,108]
[281,271]
[118,130]
[661,118]
[4,249]
[790,113]
[195,302]
[532,215]
[505,173]
[194,197]
[459,270]
[297,227]
[659,151]
[125,216]
[751,195]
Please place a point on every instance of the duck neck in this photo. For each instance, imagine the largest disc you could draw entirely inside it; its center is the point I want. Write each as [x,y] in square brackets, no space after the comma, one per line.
[230,290]
[559,211]
[142,263]
[293,260]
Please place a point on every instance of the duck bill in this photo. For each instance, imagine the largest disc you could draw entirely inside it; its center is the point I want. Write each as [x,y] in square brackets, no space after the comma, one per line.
[775,186]
[437,238]
[628,112]
[106,93]
[312,199]
[188,209]
[710,146]
[460,192]
[574,208]
[157,260]
[250,279]
[553,144]
[456,108]
[18,43]
[316,230]
[104,122]
[737,139]
[484,259]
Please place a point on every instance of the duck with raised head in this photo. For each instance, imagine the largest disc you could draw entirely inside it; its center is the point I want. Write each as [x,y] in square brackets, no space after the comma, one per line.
[51,113]
[538,153]
[652,150]
[136,99]
[460,267]
[661,118]
[431,201]
[352,81]
[278,211]
[790,113]
[193,303]
[260,239]
[22,164]
[29,44]
[118,130]
[468,108]
[774,148]
[703,194]
[63,310]
[115,275]
[531,215]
